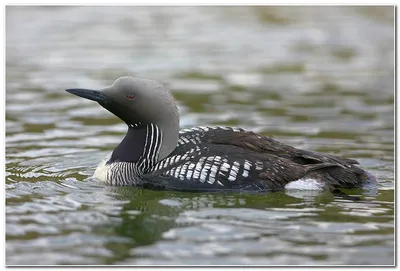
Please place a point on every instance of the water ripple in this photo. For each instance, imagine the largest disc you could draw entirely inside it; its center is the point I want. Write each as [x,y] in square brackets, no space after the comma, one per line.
[319,78]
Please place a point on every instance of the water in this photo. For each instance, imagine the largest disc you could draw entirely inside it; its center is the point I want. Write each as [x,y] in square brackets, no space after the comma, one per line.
[315,78]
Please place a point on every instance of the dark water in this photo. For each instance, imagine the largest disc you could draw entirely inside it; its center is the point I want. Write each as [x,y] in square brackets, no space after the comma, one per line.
[315,78]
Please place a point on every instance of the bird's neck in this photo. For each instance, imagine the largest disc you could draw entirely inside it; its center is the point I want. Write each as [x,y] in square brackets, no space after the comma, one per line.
[141,145]
[170,130]
[146,145]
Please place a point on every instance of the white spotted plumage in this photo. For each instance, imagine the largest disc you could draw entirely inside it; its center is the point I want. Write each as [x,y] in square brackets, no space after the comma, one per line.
[177,158]
[182,172]
[213,173]
[204,172]
[207,169]
[246,168]
[225,167]
[259,165]
[234,171]
[177,170]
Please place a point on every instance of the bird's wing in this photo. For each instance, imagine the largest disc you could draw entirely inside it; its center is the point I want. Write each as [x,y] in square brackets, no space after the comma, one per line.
[263,144]
[228,159]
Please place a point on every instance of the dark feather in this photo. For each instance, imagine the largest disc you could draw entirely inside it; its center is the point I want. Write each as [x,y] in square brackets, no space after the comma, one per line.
[281,163]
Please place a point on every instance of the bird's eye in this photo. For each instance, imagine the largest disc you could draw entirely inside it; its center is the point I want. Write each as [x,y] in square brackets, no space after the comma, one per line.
[130,96]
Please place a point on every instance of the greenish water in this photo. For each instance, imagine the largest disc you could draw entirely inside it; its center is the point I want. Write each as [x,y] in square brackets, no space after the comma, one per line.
[315,78]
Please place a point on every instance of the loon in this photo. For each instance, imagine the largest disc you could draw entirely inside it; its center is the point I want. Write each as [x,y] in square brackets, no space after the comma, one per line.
[156,154]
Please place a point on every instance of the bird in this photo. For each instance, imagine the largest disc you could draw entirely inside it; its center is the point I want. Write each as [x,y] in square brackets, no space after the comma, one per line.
[156,154]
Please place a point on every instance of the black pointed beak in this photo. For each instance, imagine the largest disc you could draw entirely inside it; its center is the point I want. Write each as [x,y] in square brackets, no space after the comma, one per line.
[106,102]
[90,94]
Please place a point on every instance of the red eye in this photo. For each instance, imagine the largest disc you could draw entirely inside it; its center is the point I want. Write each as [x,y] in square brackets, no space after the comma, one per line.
[130,96]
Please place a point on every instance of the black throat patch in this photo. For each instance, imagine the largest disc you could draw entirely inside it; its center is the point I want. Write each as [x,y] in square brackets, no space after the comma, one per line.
[131,147]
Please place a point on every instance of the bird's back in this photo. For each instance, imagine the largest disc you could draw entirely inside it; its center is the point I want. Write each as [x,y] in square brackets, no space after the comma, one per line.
[222,158]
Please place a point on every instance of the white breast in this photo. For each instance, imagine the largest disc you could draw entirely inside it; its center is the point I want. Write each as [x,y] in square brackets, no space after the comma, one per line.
[117,173]
[101,171]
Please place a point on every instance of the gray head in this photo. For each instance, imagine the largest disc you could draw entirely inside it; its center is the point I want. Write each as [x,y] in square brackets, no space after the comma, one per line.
[139,102]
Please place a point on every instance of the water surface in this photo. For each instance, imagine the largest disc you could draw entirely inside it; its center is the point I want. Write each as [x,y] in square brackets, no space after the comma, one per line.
[315,78]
